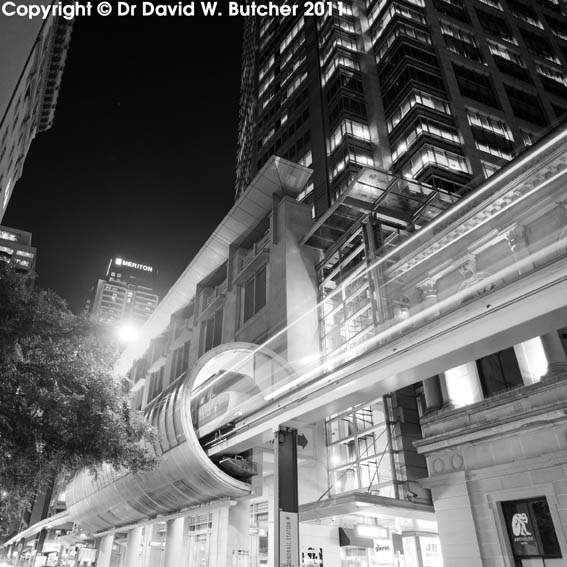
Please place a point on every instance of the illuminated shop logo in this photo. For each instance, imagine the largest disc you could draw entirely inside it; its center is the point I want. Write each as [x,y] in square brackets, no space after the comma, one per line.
[127,263]
[519,523]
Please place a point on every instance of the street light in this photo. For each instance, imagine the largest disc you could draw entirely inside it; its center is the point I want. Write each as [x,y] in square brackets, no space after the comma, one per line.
[127,332]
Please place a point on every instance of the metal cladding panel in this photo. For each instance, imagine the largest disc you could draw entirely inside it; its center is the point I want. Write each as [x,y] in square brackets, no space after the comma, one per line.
[184,477]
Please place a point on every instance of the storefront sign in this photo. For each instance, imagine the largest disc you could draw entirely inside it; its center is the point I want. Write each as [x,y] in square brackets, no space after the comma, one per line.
[521,529]
[289,539]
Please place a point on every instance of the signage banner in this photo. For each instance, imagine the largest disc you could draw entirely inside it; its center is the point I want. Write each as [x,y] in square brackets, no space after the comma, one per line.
[289,539]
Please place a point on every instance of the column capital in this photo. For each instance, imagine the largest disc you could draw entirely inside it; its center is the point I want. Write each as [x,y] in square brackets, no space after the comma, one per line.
[515,235]
[428,287]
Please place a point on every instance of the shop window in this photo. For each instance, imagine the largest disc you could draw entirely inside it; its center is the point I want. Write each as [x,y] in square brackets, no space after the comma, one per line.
[499,372]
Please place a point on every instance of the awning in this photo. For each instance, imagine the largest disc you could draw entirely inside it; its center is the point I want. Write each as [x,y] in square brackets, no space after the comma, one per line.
[47,523]
[349,537]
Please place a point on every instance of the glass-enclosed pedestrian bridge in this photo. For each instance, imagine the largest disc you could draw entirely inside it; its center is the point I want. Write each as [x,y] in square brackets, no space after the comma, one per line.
[403,297]
[399,282]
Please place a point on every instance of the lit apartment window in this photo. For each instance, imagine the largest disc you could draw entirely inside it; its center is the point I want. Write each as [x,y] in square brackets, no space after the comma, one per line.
[438,157]
[421,98]
[493,149]
[424,126]
[306,160]
[351,128]
[552,73]
[291,35]
[343,60]
[489,123]
[254,294]
[525,13]
[493,4]
[396,10]
[295,85]
[350,156]
[405,30]
[266,67]
[502,51]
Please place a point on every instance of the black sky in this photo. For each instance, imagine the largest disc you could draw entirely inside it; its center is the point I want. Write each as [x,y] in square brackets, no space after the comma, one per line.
[140,159]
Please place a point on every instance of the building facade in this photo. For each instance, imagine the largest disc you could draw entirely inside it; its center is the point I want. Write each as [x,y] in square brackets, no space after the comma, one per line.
[32,59]
[126,294]
[16,249]
[404,376]
[440,91]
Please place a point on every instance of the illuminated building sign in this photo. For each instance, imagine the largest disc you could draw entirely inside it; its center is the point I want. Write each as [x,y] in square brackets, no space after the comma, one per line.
[129,264]
[530,528]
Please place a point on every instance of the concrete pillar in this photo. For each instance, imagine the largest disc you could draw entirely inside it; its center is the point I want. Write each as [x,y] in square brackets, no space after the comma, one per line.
[432,393]
[105,550]
[555,354]
[174,542]
[133,543]
[460,386]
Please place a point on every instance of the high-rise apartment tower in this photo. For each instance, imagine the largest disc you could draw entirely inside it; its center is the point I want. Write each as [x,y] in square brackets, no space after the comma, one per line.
[441,91]
[126,294]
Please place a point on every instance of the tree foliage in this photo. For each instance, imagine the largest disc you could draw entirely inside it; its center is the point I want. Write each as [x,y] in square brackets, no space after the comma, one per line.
[61,408]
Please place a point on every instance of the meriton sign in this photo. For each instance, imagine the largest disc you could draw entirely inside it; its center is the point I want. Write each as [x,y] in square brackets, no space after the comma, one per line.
[127,263]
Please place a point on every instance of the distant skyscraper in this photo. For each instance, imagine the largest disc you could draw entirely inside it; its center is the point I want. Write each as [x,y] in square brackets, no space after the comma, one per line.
[126,294]
[16,249]
[32,59]
[441,91]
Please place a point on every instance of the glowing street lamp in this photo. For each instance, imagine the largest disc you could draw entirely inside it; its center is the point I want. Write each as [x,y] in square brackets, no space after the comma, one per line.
[127,332]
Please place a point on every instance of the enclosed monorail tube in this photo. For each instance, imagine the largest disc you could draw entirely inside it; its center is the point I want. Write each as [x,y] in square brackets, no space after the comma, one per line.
[183,415]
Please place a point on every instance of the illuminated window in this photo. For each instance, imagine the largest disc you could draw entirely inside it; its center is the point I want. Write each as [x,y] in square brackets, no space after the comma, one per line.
[350,128]
[489,123]
[421,127]
[291,35]
[405,30]
[552,73]
[420,98]
[431,155]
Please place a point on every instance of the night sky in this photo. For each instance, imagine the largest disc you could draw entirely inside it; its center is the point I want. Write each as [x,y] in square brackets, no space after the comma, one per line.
[140,160]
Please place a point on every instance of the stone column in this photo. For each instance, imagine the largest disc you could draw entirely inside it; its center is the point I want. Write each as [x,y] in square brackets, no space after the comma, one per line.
[105,550]
[518,243]
[174,542]
[133,543]
[555,354]
[460,386]
[432,393]
[428,289]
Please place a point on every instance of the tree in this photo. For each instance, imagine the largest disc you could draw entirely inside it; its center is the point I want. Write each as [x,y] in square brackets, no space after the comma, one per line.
[61,407]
